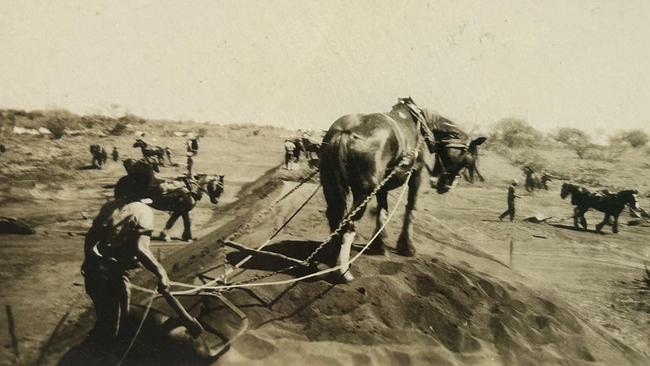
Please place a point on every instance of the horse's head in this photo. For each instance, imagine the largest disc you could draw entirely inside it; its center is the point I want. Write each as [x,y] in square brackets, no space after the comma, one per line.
[139,143]
[528,171]
[452,156]
[566,189]
[454,149]
[213,184]
[631,198]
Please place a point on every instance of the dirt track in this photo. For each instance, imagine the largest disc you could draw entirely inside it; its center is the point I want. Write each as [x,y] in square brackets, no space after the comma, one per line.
[570,297]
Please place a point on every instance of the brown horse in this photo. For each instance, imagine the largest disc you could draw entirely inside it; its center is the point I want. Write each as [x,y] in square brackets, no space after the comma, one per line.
[360,150]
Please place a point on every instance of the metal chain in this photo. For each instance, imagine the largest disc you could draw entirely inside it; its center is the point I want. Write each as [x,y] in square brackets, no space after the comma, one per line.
[400,167]
[266,209]
[300,184]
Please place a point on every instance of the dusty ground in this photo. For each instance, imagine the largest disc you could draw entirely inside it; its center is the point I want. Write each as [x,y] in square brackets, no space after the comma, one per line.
[43,182]
[568,297]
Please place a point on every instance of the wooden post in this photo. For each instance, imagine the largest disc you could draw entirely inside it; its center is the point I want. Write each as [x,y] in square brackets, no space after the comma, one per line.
[512,248]
[12,330]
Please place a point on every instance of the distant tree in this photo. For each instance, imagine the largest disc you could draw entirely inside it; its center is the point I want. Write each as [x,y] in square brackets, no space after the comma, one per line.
[514,132]
[636,138]
[56,125]
[575,139]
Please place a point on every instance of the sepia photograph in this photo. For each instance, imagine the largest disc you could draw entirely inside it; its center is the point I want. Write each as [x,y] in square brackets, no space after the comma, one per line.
[325,182]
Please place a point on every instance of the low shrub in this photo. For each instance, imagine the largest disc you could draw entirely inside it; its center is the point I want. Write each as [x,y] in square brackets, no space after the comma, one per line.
[636,138]
[119,129]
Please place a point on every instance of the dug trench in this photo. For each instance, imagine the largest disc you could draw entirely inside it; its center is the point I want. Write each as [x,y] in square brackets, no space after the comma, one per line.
[459,305]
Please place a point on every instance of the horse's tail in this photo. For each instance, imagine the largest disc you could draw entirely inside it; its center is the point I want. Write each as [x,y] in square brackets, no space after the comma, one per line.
[333,165]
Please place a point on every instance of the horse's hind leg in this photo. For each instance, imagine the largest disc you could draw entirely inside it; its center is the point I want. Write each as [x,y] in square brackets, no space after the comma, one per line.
[599,227]
[378,245]
[187,227]
[404,245]
[349,233]
[336,207]
[170,223]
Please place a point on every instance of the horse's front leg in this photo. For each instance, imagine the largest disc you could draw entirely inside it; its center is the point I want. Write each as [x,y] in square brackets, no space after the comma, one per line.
[615,225]
[187,227]
[378,245]
[576,216]
[471,174]
[170,223]
[478,174]
[583,220]
[404,245]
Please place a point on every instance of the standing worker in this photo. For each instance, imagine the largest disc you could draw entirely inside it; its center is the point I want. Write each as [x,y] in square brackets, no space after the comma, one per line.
[117,242]
[193,144]
[116,154]
[190,164]
[289,146]
[512,195]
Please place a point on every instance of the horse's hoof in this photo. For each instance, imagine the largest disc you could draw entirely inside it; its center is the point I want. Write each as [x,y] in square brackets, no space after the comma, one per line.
[408,252]
[405,248]
[346,277]
[376,250]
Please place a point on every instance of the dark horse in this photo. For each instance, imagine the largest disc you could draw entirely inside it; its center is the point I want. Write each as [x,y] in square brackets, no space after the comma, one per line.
[99,156]
[178,196]
[452,137]
[611,204]
[311,148]
[360,150]
[152,151]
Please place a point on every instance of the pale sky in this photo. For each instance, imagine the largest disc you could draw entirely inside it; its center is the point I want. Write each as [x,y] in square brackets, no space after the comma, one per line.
[306,63]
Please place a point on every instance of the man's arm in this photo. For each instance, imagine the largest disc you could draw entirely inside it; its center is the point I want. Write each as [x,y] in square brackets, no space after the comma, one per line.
[150,263]
[92,237]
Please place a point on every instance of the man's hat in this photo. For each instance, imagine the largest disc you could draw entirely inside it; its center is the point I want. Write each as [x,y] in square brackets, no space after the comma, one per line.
[514,182]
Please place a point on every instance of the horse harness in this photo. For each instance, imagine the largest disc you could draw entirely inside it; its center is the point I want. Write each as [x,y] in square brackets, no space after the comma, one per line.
[434,146]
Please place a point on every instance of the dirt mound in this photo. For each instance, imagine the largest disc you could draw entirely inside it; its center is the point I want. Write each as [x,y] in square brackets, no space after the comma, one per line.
[399,311]
[414,311]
